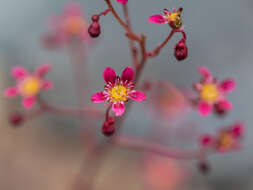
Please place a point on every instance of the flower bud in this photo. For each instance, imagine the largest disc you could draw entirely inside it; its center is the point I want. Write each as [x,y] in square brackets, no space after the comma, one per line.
[95,18]
[181,50]
[219,110]
[204,167]
[16,119]
[94,30]
[108,128]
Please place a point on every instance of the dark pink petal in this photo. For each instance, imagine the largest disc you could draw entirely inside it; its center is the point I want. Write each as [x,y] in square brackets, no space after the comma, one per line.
[19,72]
[207,141]
[122,1]
[127,74]
[157,19]
[11,92]
[238,130]
[98,97]
[204,72]
[228,85]
[46,85]
[118,108]
[225,105]
[28,102]
[42,70]
[109,75]
[137,96]
[204,108]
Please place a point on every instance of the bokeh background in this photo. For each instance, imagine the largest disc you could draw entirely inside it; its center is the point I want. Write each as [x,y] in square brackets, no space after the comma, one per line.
[47,152]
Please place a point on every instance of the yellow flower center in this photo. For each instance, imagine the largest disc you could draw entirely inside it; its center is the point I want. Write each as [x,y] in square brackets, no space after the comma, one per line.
[74,25]
[209,93]
[30,86]
[119,93]
[226,140]
[176,19]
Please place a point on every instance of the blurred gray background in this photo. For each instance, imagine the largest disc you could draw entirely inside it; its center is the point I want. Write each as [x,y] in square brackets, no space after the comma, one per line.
[219,37]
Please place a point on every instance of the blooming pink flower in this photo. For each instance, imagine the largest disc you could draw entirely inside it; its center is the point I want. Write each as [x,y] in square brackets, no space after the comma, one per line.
[29,84]
[212,92]
[122,1]
[227,138]
[71,24]
[172,18]
[118,90]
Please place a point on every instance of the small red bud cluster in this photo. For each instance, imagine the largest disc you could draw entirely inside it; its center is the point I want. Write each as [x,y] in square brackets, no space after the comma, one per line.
[108,128]
[16,119]
[94,29]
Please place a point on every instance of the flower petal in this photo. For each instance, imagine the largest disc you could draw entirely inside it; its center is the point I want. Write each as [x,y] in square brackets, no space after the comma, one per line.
[228,85]
[225,104]
[204,108]
[137,96]
[197,86]
[127,74]
[238,130]
[157,19]
[11,92]
[109,75]
[28,102]
[98,97]
[118,108]
[122,1]
[42,70]
[46,85]
[204,72]
[19,72]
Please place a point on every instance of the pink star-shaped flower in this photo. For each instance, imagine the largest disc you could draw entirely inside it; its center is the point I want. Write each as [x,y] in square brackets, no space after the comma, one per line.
[118,90]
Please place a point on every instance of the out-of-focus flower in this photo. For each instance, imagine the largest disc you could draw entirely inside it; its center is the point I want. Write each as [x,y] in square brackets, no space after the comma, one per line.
[227,139]
[212,92]
[118,90]
[122,1]
[28,84]
[68,26]
[161,173]
[167,101]
[172,18]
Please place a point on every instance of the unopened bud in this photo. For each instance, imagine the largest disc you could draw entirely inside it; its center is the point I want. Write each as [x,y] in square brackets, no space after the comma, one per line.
[204,167]
[16,119]
[95,18]
[108,128]
[181,50]
[94,30]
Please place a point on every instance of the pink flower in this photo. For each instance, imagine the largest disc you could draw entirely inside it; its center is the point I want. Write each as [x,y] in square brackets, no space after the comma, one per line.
[227,139]
[28,84]
[122,1]
[212,92]
[70,25]
[118,90]
[172,18]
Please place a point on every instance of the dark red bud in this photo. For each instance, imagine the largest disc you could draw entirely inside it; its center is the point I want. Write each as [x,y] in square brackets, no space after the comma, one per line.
[16,119]
[219,110]
[108,128]
[204,167]
[95,18]
[94,30]
[181,50]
